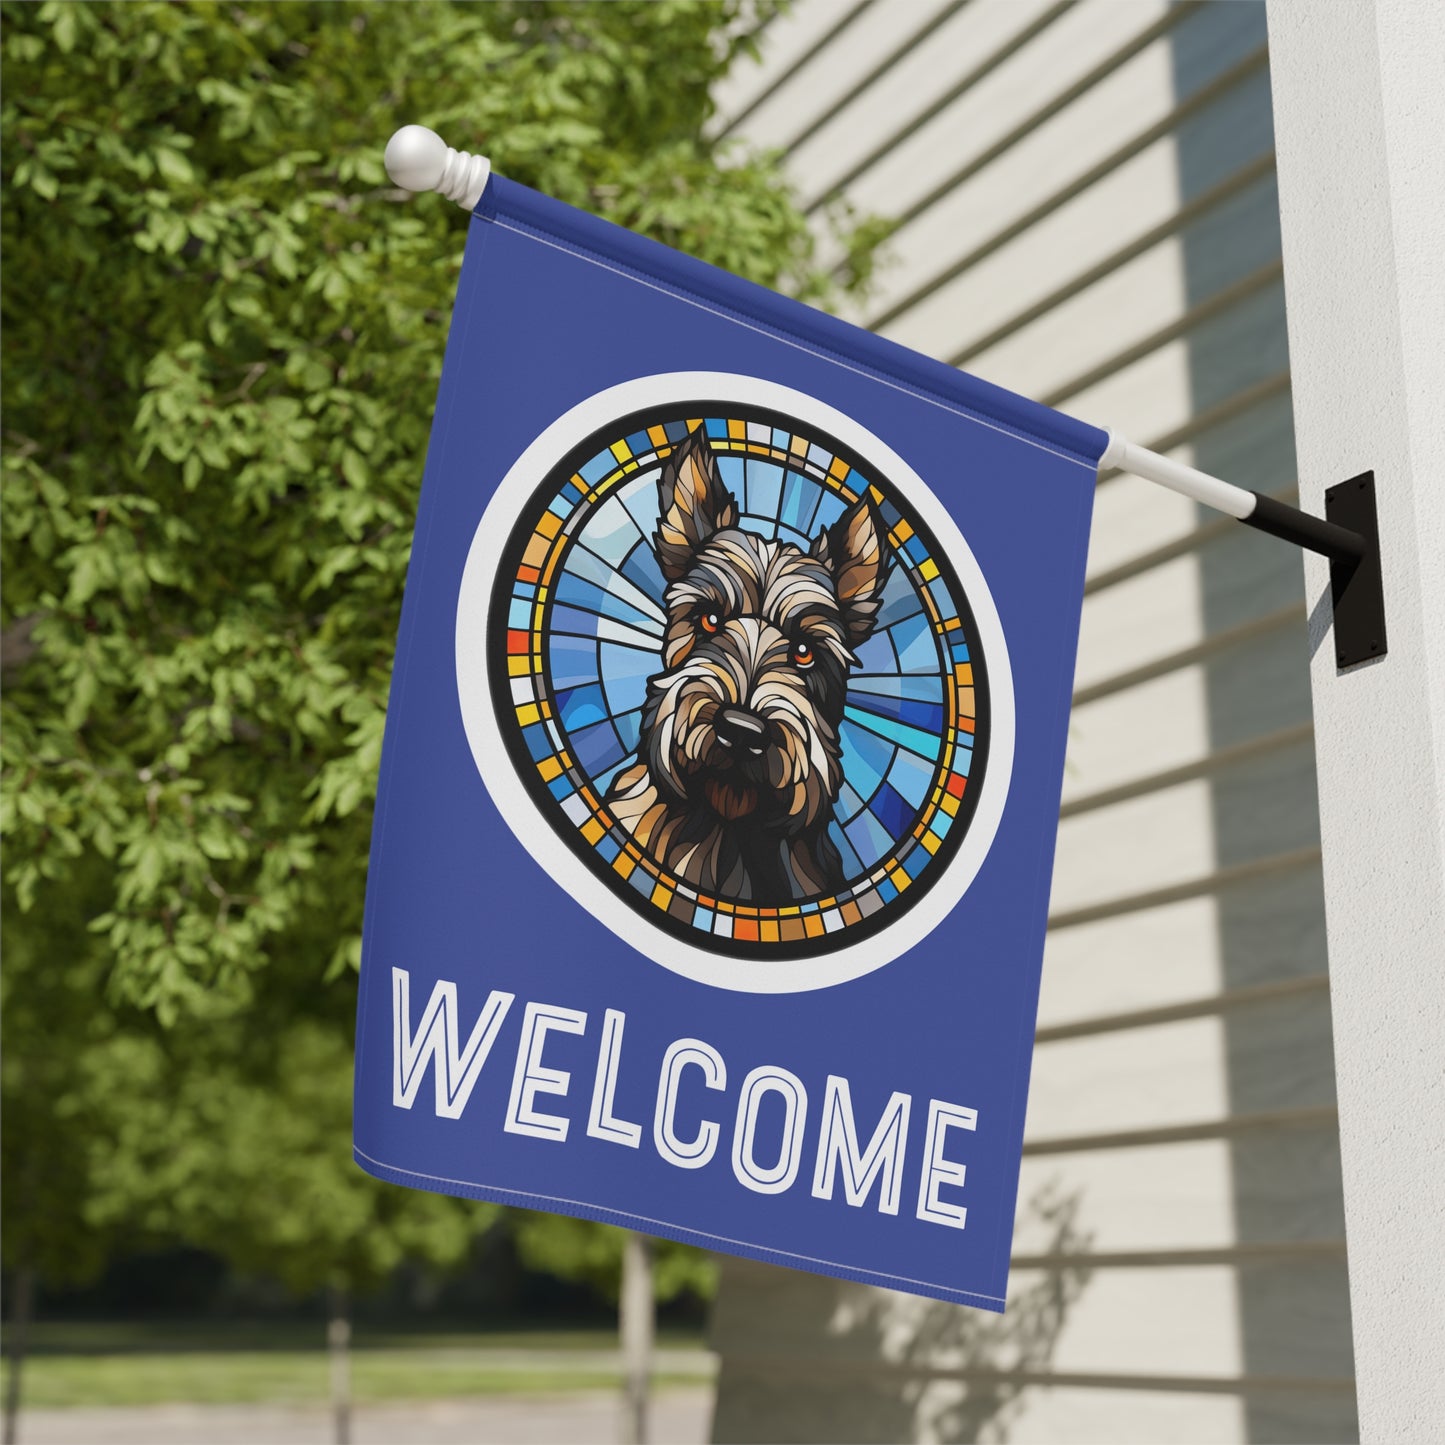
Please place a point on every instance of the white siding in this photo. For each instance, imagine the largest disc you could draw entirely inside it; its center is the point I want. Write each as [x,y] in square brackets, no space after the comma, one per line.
[1089,217]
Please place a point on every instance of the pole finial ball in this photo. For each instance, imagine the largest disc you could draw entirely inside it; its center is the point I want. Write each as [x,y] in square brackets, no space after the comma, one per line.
[418,159]
[415,158]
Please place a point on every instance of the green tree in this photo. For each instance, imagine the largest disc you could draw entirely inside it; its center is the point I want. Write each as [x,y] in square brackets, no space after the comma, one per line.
[223,330]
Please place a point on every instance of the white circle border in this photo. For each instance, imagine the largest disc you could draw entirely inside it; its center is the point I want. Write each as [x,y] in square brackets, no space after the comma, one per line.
[535,833]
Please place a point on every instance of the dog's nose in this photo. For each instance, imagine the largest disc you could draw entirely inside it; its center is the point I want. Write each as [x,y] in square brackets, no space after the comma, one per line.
[742,730]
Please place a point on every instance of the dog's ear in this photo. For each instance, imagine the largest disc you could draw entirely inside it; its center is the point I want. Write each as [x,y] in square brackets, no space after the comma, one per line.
[692,504]
[855,551]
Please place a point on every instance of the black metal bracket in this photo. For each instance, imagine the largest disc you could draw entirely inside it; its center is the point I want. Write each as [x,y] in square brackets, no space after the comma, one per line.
[1357,589]
[1349,535]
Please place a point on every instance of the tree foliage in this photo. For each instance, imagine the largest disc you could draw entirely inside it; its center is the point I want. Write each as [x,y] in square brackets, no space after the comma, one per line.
[223,330]
[223,333]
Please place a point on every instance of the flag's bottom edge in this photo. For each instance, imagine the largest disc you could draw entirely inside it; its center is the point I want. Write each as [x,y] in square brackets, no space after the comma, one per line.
[465,1189]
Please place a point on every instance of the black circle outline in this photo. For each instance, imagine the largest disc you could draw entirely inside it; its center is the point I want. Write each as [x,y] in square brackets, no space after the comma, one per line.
[504,708]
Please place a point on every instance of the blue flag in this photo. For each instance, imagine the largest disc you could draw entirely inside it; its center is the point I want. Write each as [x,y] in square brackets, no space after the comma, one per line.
[722,768]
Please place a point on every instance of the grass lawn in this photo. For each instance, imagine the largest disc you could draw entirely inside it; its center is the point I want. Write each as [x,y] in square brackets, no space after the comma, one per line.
[121,1365]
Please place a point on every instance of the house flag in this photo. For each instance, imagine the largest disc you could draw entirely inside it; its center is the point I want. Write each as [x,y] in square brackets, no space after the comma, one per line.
[722,768]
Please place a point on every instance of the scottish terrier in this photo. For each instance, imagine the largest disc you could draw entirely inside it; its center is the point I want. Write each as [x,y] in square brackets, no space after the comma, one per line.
[738,763]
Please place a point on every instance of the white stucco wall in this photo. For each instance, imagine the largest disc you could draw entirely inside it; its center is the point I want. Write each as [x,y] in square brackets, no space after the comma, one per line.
[1360,123]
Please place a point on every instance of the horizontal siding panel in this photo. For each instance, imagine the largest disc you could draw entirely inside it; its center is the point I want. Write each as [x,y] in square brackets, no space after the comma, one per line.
[1038,166]
[830,73]
[1146,842]
[1147,617]
[1095,322]
[1182,1196]
[1000,103]
[1135,733]
[1158,1321]
[1138,1079]
[1036,174]
[1206,217]
[1150,399]
[1216,765]
[787,41]
[1060,1415]
[922,81]
[1214,94]
[1132,516]
[1174,1196]
[1177,1321]
[1154,957]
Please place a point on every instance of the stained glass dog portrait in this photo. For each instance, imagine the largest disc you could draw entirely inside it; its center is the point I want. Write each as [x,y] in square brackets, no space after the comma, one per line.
[739,762]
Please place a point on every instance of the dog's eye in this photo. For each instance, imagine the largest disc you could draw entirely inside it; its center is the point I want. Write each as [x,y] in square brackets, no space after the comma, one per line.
[802,655]
[709,621]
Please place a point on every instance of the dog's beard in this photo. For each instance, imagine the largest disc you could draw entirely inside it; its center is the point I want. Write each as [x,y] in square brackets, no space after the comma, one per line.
[730,798]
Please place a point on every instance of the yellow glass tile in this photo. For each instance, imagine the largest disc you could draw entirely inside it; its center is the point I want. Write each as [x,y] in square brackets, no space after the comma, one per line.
[526,716]
[549,525]
[768,930]
[838,469]
[693,422]
[592,830]
[928,569]
[963,673]
[876,495]
[549,769]
[657,436]
[518,666]
[623,865]
[621,451]
[899,879]
[903,531]
[949,805]
[932,842]
[662,896]
[738,430]
[813,925]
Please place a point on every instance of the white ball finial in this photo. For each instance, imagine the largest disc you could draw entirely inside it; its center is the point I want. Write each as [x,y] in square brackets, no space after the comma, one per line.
[415,158]
[418,159]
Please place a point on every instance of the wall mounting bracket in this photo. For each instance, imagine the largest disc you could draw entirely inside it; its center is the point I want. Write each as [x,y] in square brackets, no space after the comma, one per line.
[1348,534]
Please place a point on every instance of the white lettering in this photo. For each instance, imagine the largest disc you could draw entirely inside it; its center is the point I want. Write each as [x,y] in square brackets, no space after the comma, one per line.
[838,1144]
[936,1169]
[775,1178]
[602,1123]
[694,1154]
[437,1038]
[531,1077]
